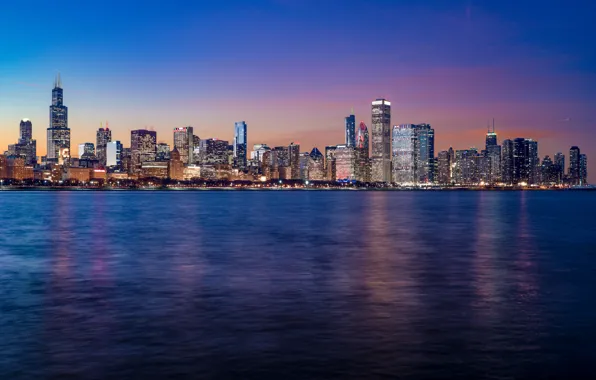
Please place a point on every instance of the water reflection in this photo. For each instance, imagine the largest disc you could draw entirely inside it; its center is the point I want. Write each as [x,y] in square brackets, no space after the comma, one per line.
[282,284]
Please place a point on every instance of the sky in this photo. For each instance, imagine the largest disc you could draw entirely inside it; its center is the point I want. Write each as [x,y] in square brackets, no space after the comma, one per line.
[294,69]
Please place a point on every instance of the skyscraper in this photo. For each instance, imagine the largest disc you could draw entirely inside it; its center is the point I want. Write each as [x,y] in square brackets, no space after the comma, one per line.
[58,136]
[381,141]
[574,163]
[493,153]
[560,166]
[142,147]
[114,155]
[103,137]
[25,131]
[26,147]
[362,155]
[316,166]
[404,154]
[583,170]
[184,143]
[425,153]
[507,159]
[350,130]
[162,152]
[294,158]
[345,163]
[330,167]
[240,145]
[444,168]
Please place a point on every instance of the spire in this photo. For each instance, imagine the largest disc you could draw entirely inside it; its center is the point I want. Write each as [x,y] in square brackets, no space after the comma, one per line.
[352,111]
[58,81]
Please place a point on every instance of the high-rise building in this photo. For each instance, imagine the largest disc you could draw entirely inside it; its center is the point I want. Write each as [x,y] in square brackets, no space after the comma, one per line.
[444,168]
[162,152]
[142,147]
[362,153]
[25,131]
[345,163]
[583,170]
[103,137]
[86,150]
[58,134]
[381,141]
[425,153]
[196,151]
[350,127]
[176,166]
[114,155]
[548,172]
[240,145]
[26,147]
[574,164]
[184,143]
[258,152]
[214,152]
[404,154]
[316,166]
[507,159]
[560,167]
[533,163]
[294,156]
[493,153]
[330,164]
[304,157]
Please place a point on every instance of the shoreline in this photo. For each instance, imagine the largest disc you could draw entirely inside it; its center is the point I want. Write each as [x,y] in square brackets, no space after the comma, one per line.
[239,188]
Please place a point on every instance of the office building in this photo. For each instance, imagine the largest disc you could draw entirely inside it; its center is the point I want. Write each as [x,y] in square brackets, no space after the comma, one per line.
[162,152]
[184,143]
[403,160]
[58,133]
[142,147]
[444,168]
[103,137]
[350,129]
[240,145]
[362,154]
[345,163]
[86,150]
[424,153]
[583,170]
[574,166]
[114,155]
[381,141]
[26,147]
[294,160]
[330,163]
[214,152]
[560,166]
[316,165]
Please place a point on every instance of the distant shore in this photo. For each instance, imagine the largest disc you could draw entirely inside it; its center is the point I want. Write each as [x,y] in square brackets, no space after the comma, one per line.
[283,188]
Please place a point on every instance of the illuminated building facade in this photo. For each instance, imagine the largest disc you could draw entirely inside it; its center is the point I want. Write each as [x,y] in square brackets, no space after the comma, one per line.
[240,145]
[142,147]
[403,154]
[103,137]
[381,141]
[58,134]
[184,143]
[345,163]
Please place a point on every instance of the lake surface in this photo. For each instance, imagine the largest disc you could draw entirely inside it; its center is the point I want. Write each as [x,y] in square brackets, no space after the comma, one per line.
[297,285]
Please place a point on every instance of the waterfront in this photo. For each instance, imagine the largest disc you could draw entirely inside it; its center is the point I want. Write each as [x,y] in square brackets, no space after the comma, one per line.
[297,284]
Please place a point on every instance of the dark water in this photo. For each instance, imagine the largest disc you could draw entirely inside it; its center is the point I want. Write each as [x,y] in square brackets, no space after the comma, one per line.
[297,285]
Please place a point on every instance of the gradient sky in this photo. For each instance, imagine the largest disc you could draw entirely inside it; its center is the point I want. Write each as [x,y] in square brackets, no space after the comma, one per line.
[294,69]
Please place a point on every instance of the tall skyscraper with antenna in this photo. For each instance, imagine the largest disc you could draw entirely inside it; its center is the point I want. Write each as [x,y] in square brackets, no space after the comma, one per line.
[58,136]
[493,153]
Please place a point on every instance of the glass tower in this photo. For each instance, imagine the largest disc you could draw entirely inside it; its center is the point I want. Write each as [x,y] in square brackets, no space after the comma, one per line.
[240,144]
[351,130]
[58,136]
[381,141]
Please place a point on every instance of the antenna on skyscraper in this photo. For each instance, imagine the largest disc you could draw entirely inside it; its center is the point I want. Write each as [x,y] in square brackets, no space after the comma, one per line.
[493,125]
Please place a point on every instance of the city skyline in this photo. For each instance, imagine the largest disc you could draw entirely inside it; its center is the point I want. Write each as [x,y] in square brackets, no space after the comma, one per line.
[537,79]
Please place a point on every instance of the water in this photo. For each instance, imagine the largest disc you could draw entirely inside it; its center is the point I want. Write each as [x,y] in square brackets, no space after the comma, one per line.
[297,285]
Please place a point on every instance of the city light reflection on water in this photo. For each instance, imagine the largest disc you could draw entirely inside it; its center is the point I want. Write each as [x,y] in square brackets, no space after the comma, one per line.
[296,284]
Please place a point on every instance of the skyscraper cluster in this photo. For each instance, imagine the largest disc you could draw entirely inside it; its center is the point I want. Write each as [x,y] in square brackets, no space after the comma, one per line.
[402,155]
